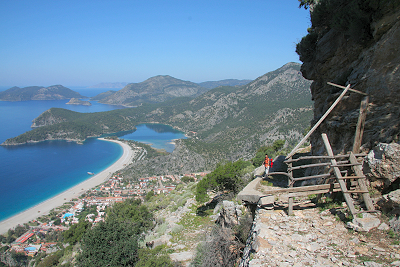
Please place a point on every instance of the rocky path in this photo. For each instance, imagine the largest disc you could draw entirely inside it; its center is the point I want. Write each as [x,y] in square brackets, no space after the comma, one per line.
[315,238]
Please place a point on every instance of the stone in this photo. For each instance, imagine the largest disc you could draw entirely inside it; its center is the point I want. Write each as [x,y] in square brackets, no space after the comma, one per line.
[383,227]
[261,243]
[383,162]
[355,227]
[367,222]
[372,264]
[181,256]
[394,223]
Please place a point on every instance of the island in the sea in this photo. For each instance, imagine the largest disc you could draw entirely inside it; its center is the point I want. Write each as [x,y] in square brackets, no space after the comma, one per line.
[76,101]
[54,92]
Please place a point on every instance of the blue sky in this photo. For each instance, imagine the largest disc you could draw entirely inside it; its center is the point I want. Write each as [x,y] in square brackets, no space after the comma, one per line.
[82,43]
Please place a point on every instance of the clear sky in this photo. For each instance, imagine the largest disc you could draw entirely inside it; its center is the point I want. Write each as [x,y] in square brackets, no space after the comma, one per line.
[82,43]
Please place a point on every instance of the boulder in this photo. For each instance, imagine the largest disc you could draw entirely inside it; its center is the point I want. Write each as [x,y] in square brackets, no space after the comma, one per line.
[390,203]
[367,222]
[229,214]
[383,163]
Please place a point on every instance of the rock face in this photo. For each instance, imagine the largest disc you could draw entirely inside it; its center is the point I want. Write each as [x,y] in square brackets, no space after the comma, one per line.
[76,101]
[371,66]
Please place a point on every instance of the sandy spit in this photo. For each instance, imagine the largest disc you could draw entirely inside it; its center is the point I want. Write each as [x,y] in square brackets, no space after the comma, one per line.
[74,192]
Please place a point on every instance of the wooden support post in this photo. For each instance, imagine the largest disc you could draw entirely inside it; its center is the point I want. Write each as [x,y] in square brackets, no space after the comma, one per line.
[361,183]
[360,125]
[338,174]
[290,200]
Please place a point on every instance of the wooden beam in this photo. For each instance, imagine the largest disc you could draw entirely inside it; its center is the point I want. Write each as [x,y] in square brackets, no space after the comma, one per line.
[338,174]
[361,182]
[300,189]
[310,166]
[316,192]
[319,122]
[350,89]
[360,125]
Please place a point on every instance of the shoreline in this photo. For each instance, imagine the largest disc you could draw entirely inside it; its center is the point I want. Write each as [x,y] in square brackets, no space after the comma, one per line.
[74,192]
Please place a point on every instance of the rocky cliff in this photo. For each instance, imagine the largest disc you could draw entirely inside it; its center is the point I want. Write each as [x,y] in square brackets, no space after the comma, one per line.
[357,43]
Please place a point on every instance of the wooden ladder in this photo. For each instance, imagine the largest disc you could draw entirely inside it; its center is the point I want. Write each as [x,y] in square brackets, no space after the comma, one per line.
[359,176]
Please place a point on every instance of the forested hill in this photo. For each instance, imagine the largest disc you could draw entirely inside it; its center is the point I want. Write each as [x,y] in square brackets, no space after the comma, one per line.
[227,122]
[54,92]
[154,90]
[226,82]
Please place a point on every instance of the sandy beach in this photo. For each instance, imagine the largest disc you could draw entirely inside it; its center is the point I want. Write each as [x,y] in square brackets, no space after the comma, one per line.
[69,194]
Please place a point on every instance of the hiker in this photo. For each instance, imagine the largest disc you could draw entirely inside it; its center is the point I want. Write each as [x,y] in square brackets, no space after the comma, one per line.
[266,164]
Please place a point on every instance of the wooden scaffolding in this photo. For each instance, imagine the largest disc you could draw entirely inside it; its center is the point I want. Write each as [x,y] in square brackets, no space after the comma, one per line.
[342,172]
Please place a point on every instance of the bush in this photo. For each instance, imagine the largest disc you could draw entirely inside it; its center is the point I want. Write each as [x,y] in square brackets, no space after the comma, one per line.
[187,179]
[219,249]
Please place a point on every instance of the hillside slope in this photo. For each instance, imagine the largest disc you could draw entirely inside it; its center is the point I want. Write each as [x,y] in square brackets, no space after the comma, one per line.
[153,90]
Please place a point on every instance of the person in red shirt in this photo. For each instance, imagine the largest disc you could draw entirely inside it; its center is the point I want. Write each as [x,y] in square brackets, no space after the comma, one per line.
[266,164]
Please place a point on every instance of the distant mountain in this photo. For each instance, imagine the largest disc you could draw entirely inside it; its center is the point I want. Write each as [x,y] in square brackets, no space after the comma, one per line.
[103,95]
[153,90]
[225,122]
[109,85]
[227,82]
[54,92]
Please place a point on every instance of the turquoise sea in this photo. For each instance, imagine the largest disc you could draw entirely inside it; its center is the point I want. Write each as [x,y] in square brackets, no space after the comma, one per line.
[32,173]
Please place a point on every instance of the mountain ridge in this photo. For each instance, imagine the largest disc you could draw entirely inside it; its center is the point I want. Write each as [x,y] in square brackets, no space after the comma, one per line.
[153,90]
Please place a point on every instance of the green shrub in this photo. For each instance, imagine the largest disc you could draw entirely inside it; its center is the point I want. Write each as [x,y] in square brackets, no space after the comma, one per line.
[187,179]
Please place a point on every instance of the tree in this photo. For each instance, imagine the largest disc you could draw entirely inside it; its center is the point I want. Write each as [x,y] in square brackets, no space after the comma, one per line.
[76,232]
[187,179]
[227,176]
[149,195]
[154,258]
[110,243]
[278,144]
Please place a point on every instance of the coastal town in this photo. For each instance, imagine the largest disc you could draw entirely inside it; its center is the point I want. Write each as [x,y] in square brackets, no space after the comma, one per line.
[91,206]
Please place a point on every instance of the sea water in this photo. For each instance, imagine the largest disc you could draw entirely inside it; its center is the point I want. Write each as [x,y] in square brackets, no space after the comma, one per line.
[32,173]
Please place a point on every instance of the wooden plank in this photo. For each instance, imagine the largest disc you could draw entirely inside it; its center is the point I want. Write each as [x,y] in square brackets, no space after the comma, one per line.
[346,165]
[352,177]
[319,121]
[350,89]
[360,125]
[362,184]
[316,192]
[336,170]
[300,189]
[323,157]
[310,166]
[291,182]
[312,177]
[307,157]
[355,191]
